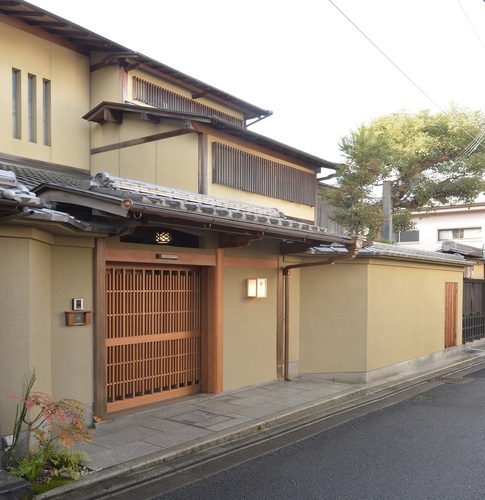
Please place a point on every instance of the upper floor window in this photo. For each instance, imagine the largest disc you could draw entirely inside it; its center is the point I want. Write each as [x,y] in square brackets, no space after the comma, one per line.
[408,236]
[16,104]
[162,98]
[468,233]
[247,172]
[32,108]
[46,112]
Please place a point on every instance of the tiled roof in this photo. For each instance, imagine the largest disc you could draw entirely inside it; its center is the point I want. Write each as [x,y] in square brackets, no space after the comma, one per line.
[453,247]
[395,251]
[140,197]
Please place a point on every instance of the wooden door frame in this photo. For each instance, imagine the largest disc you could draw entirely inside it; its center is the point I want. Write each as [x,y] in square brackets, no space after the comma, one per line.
[212,268]
[451,313]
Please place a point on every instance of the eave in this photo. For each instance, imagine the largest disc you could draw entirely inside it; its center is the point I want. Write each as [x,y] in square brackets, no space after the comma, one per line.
[44,24]
[113,112]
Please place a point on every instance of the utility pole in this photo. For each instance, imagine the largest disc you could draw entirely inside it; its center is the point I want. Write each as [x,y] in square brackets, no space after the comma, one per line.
[387,210]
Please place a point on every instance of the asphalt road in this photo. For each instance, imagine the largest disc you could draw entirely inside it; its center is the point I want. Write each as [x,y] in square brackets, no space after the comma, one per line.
[429,446]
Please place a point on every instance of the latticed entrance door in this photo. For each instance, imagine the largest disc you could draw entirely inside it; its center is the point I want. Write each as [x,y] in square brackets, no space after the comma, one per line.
[153,333]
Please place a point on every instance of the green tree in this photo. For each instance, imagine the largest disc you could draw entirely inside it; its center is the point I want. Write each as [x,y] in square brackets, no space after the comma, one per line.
[432,159]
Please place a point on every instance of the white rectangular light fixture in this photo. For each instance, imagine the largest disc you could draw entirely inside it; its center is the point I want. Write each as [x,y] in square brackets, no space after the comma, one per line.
[257,287]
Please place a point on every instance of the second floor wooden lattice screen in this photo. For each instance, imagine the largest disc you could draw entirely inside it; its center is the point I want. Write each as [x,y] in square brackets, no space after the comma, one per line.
[154,95]
[241,170]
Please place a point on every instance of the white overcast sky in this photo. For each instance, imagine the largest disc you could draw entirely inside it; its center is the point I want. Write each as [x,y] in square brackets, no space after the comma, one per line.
[308,60]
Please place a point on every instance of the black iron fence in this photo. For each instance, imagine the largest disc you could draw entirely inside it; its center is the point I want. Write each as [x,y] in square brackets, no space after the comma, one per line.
[473,326]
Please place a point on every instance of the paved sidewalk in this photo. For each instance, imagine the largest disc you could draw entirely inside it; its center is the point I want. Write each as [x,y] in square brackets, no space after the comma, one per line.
[204,421]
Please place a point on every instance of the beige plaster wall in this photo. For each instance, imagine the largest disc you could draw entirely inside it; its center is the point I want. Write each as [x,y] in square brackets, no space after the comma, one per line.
[407,310]
[249,325]
[68,73]
[14,325]
[25,301]
[72,347]
[169,162]
[106,85]
[369,314]
[334,317]
[42,274]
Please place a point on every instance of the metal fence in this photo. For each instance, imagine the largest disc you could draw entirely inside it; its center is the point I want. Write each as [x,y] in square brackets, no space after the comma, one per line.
[473,326]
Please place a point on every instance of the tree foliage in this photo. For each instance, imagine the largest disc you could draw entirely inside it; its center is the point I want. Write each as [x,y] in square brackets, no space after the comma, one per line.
[432,159]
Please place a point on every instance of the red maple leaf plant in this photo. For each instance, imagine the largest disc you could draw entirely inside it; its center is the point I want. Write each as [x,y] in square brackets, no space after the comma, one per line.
[55,424]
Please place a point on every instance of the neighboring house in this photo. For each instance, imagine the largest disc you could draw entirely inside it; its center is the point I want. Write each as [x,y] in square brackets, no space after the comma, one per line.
[153,246]
[460,223]
[324,210]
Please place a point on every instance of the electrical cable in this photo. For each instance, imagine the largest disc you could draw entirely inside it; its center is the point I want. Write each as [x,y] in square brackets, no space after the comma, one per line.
[474,139]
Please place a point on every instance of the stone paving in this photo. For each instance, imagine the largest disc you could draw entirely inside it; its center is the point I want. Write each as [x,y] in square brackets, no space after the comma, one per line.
[202,416]
[206,421]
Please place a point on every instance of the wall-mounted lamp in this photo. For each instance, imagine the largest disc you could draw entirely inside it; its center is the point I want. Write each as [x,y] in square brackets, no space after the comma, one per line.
[163,237]
[257,287]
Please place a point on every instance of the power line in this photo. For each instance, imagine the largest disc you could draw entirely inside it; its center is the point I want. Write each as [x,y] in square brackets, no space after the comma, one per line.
[476,141]
[471,24]
[387,57]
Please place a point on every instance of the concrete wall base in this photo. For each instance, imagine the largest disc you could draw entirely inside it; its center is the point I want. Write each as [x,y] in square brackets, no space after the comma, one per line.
[409,366]
[293,369]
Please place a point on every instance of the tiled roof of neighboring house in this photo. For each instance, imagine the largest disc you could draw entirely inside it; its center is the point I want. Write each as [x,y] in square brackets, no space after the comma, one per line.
[395,251]
[453,247]
[124,198]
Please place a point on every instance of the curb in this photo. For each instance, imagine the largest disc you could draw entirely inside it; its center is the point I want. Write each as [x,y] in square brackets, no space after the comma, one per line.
[197,451]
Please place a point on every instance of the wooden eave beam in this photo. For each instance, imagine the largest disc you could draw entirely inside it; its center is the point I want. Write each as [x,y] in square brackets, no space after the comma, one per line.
[150,118]
[113,115]
[39,32]
[236,240]
[142,140]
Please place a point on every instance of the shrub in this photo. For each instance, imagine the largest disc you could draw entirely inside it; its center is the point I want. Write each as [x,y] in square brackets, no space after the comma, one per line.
[56,425]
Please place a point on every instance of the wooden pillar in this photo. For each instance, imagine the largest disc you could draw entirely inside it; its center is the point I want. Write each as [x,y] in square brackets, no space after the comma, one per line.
[215,354]
[279,318]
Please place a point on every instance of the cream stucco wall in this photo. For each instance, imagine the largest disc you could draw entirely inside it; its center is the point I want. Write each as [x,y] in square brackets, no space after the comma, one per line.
[334,317]
[369,314]
[407,310]
[25,315]
[249,324]
[169,162]
[72,347]
[39,279]
[68,73]
[106,85]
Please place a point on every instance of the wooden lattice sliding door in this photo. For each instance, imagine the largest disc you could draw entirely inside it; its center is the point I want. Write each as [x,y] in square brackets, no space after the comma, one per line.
[153,333]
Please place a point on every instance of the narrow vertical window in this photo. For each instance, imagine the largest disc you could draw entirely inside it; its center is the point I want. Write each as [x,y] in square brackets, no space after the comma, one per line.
[46,112]
[31,108]
[16,103]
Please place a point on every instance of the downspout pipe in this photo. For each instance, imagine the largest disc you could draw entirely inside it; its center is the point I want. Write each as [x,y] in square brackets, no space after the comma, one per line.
[352,251]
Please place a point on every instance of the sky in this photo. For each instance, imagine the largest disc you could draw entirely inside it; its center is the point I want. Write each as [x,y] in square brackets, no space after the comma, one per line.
[323,67]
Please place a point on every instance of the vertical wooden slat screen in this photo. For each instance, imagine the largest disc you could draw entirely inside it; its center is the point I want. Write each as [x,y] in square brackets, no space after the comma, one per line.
[451,291]
[162,98]
[241,170]
[153,334]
